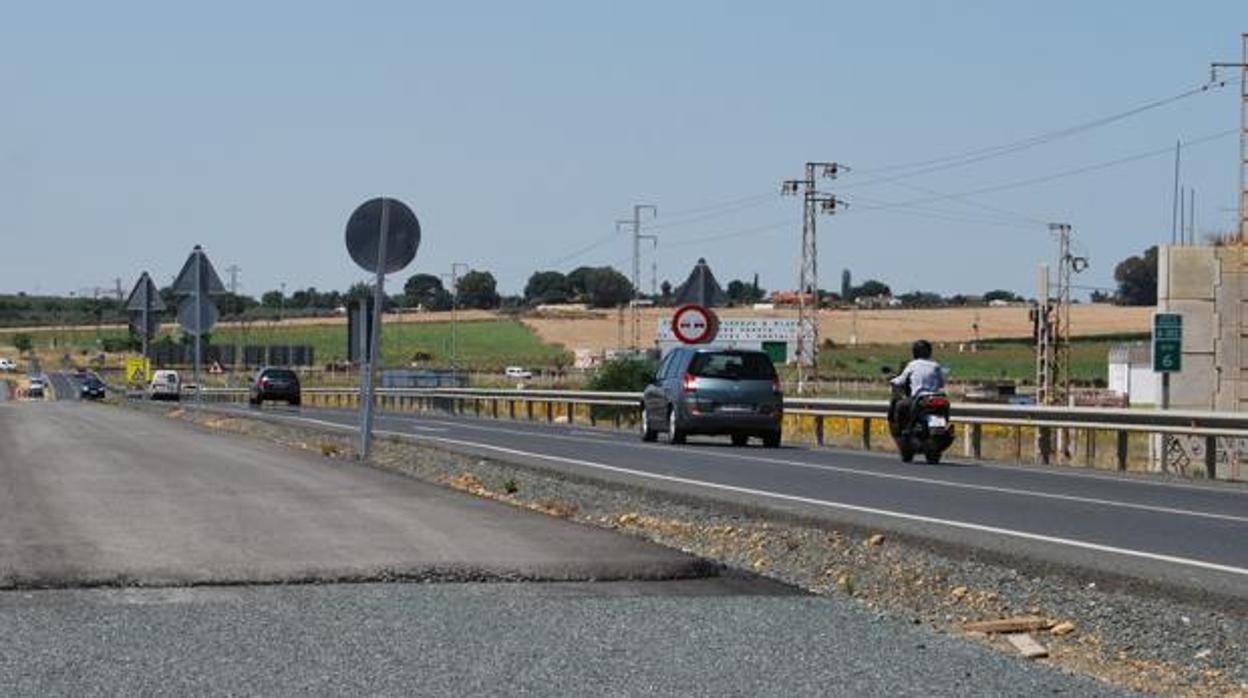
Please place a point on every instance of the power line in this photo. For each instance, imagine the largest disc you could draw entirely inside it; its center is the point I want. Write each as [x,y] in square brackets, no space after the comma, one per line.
[968,157]
[1067,173]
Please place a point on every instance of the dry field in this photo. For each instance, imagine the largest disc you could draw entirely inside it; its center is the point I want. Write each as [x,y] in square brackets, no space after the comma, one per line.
[872,326]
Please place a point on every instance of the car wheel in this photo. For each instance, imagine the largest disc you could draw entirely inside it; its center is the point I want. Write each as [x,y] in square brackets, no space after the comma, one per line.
[772,440]
[647,434]
[740,439]
[295,402]
[907,454]
[933,457]
[675,435]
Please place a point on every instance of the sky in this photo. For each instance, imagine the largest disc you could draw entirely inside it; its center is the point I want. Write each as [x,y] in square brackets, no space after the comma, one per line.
[520,133]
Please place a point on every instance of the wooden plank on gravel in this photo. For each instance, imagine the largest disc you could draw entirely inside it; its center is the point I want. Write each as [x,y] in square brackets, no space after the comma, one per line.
[1017,624]
[1027,646]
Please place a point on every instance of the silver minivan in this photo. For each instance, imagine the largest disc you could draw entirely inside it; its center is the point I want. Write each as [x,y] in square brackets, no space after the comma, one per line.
[733,392]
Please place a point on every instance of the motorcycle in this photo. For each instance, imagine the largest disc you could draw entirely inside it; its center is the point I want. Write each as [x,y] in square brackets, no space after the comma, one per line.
[920,425]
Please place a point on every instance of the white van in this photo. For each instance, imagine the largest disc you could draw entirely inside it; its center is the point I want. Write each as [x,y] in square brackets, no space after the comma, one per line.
[7,364]
[165,385]
[517,372]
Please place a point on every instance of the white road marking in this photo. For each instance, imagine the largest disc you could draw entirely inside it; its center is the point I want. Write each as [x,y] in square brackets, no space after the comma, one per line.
[1070,542]
[884,476]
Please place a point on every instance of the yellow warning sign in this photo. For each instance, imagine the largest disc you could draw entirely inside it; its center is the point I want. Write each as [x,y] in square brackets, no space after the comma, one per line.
[138,369]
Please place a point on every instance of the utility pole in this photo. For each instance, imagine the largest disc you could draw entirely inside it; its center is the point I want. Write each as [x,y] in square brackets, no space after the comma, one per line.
[814,202]
[233,271]
[455,267]
[281,304]
[637,238]
[1242,66]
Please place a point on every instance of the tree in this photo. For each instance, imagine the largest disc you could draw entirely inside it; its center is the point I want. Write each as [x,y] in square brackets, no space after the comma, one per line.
[921,299]
[272,299]
[1101,297]
[741,292]
[22,342]
[1137,279]
[578,281]
[1001,295]
[665,291]
[426,290]
[547,287]
[233,304]
[871,289]
[478,289]
[607,288]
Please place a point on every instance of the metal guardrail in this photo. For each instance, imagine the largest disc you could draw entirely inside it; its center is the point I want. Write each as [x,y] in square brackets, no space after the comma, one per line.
[1047,422]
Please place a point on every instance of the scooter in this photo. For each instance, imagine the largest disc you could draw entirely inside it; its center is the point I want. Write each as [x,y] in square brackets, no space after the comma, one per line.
[926,427]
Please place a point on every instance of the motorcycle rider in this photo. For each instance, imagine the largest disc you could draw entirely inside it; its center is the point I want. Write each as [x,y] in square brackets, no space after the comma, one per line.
[922,376]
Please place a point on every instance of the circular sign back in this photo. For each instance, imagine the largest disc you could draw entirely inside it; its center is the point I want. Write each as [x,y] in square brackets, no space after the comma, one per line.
[364,234]
[694,324]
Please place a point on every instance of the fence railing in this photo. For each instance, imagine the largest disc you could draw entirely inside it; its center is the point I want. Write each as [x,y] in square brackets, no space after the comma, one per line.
[1209,444]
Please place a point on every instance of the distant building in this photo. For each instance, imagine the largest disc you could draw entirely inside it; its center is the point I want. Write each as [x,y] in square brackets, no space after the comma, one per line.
[1131,374]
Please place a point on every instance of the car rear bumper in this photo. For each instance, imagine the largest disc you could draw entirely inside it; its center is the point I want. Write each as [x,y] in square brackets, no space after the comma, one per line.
[728,423]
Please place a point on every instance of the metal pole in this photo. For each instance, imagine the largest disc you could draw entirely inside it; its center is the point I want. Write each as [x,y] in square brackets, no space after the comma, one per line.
[199,320]
[1174,203]
[374,353]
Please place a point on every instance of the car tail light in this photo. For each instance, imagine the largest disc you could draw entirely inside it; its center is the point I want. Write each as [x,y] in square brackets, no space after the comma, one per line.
[775,385]
[690,382]
[264,382]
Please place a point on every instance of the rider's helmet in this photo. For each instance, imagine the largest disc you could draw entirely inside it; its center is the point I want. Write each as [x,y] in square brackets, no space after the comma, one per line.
[922,349]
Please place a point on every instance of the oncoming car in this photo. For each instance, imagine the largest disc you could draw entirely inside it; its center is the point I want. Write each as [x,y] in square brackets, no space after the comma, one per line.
[714,392]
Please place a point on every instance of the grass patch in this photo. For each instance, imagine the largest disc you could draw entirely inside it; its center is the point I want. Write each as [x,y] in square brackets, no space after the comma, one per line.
[1017,362]
[481,344]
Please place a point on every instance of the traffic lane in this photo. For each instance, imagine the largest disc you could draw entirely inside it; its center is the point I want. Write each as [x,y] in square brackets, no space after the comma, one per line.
[1162,532]
[1215,500]
[1084,550]
[489,639]
[110,496]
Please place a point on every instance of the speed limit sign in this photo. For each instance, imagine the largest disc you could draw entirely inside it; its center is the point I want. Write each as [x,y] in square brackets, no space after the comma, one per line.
[694,324]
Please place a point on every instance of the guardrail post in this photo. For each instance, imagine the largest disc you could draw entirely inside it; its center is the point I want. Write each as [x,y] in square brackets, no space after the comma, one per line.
[593,418]
[1089,447]
[1211,457]
[528,410]
[511,410]
[476,406]
[571,412]
[819,429]
[975,441]
[494,408]
[866,433]
[1122,449]
[550,411]
[1018,444]
[1046,445]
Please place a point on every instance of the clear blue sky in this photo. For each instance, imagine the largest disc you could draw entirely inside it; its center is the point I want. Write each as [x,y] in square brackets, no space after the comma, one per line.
[519,133]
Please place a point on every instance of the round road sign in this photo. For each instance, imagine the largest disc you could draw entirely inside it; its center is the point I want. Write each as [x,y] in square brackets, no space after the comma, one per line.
[694,324]
[364,234]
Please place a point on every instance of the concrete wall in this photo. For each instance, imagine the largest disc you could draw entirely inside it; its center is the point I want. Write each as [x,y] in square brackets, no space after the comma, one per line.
[1209,287]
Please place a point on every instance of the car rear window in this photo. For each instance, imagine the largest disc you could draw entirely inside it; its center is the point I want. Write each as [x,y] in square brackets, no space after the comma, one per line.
[734,365]
[281,374]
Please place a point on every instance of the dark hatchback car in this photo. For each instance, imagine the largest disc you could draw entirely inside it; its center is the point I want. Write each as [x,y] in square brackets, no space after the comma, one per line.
[714,392]
[92,387]
[273,383]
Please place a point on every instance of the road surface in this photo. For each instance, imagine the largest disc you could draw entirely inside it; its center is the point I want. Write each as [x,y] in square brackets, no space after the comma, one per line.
[189,522]
[1190,535]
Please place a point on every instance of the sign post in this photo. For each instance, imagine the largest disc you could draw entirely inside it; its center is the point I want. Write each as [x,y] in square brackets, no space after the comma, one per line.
[382,237]
[1167,359]
[1167,350]
[196,313]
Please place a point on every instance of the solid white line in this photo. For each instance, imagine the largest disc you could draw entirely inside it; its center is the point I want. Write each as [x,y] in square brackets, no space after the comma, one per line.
[1044,470]
[886,476]
[1084,545]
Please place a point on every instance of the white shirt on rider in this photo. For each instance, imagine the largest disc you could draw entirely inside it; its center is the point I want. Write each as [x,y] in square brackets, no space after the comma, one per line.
[924,377]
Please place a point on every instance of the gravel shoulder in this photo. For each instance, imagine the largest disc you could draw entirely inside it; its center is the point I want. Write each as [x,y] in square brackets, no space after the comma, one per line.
[1129,637]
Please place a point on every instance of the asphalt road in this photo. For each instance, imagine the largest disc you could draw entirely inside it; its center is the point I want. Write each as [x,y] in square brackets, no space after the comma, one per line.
[64,386]
[234,533]
[94,495]
[1189,535]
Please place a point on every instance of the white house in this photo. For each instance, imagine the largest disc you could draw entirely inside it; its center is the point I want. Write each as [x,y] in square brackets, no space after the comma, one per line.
[1131,374]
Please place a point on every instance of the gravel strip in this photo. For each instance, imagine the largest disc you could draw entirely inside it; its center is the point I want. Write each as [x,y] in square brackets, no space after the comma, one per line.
[1143,641]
